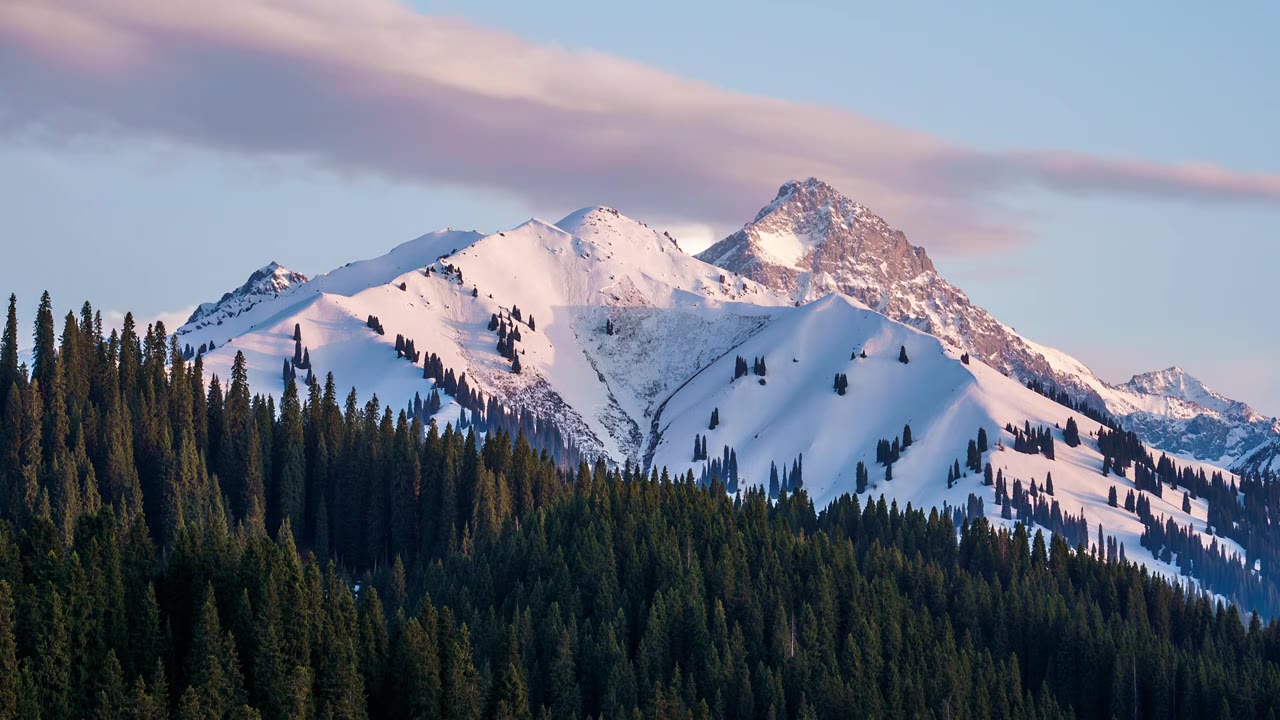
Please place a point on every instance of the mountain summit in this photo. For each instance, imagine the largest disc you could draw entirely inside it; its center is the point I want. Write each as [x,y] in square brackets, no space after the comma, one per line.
[267,282]
[811,241]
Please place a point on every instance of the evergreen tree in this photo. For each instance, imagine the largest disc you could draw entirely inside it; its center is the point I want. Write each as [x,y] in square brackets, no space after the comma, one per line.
[289,502]
[1071,435]
[461,691]
[44,351]
[566,698]
[509,699]
[8,656]
[9,352]
[902,355]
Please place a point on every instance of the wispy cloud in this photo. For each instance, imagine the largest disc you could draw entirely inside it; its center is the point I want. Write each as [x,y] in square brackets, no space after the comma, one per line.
[173,319]
[372,86]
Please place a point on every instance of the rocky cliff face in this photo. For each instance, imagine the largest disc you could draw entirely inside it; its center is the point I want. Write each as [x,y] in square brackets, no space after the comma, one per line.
[812,241]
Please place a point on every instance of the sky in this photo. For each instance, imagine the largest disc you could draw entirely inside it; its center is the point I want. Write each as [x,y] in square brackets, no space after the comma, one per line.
[1103,178]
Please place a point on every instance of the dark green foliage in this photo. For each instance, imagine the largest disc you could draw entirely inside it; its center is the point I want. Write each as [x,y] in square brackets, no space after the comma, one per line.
[1071,434]
[902,355]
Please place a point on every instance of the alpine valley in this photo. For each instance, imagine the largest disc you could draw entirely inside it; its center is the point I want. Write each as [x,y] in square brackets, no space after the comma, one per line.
[815,348]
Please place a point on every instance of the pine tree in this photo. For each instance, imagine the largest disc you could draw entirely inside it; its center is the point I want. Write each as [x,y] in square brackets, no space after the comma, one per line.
[289,500]
[1071,434]
[906,436]
[9,352]
[44,352]
[902,355]
[461,683]
[566,698]
[509,697]
[1111,497]
[8,656]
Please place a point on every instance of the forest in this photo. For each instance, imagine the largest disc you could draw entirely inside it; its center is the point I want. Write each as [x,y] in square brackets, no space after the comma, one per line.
[175,547]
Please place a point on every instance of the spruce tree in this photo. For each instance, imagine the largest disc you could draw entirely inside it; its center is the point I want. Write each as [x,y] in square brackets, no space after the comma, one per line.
[509,697]
[44,351]
[566,698]
[8,656]
[1071,434]
[902,355]
[9,352]
[289,502]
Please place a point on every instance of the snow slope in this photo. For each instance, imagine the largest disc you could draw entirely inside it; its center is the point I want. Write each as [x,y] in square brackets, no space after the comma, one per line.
[944,401]
[593,266]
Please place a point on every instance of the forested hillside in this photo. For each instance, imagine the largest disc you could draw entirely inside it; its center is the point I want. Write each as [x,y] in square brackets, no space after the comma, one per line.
[173,546]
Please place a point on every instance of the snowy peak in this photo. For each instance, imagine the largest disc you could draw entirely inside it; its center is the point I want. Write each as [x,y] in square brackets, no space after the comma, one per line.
[267,282]
[1174,383]
[810,239]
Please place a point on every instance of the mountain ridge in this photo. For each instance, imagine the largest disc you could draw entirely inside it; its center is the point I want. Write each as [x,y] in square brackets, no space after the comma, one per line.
[844,247]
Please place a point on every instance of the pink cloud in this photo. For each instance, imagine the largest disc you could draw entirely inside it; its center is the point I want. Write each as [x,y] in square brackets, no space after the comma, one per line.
[374,87]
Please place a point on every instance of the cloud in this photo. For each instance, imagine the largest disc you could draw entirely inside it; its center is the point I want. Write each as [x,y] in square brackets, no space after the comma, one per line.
[374,87]
[114,320]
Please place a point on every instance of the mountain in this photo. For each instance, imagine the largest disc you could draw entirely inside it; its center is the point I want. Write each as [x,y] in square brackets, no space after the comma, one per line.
[265,283]
[629,346]
[811,241]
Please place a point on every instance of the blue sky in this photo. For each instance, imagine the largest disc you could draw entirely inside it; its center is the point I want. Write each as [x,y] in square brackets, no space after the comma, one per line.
[157,215]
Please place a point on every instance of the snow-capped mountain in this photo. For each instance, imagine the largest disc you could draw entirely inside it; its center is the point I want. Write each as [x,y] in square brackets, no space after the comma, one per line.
[811,241]
[265,283]
[630,346]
